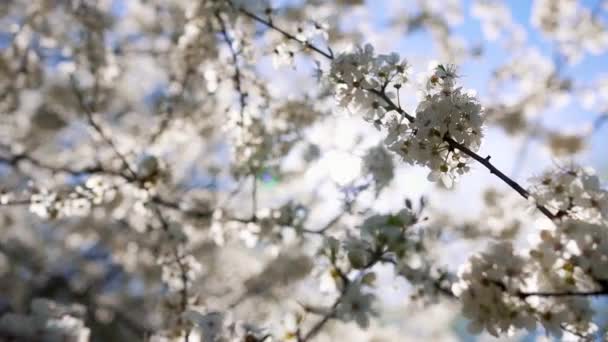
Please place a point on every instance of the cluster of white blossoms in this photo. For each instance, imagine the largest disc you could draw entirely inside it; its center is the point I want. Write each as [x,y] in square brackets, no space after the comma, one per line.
[446,112]
[362,81]
[572,256]
[572,190]
[575,28]
[502,291]
[285,50]
[48,321]
[79,201]
[356,300]
[289,328]
[102,190]
[488,288]
[361,76]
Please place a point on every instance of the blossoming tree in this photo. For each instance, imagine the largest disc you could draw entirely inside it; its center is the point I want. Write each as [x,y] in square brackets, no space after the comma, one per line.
[250,170]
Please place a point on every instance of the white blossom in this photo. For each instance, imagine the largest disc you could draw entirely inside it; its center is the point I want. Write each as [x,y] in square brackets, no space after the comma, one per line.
[574,190]
[446,111]
[356,305]
[488,288]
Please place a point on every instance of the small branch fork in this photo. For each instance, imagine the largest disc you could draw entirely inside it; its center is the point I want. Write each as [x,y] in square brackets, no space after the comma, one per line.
[453,144]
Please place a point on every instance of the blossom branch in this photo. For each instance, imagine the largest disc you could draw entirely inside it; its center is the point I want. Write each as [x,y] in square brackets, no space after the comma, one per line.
[16,159]
[270,24]
[495,171]
[483,161]
[391,104]
[601,292]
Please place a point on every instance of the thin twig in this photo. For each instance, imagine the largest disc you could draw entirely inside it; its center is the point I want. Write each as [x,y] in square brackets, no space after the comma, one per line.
[287,35]
[453,144]
[391,104]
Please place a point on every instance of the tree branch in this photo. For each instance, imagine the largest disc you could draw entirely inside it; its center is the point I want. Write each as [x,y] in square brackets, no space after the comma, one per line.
[602,292]
[495,171]
[391,104]
[287,35]
[453,144]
